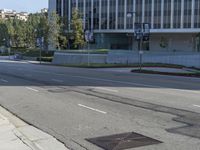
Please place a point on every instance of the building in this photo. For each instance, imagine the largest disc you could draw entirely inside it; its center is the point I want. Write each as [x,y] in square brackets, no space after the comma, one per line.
[44,10]
[11,14]
[175,24]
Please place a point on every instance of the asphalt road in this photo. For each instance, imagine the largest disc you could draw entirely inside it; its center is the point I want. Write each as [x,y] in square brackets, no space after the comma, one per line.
[74,104]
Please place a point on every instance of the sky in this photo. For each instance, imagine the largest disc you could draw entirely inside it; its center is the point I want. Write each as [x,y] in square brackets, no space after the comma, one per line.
[30,6]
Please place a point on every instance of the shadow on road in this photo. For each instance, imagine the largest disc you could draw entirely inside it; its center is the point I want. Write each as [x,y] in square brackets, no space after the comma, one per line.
[25,74]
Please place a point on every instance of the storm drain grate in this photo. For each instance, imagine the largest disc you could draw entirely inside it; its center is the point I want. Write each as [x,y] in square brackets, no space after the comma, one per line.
[123,141]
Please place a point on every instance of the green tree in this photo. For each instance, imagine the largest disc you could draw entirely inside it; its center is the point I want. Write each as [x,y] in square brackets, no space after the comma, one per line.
[4,35]
[54,30]
[77,28]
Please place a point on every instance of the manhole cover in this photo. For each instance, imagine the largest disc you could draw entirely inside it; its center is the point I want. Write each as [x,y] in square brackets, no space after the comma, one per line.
[123,141]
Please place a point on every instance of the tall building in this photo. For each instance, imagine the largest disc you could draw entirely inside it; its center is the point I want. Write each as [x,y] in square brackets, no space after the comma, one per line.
[175,24]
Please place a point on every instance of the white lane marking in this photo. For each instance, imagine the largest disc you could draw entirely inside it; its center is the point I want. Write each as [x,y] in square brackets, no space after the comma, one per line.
[103,112]
[32,89]
[57,80]
[106,89]
[196,105]
[3,80]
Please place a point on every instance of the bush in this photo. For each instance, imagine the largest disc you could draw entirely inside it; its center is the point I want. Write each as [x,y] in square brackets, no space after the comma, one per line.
[45,59]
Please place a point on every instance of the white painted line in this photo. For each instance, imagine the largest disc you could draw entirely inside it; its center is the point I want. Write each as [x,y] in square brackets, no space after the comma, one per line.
[32,89]
[103,112]
[57,80]
[106,89]
[3,80]
[196,105]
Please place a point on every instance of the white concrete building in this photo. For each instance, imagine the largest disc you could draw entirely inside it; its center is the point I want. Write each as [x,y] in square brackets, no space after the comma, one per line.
[175,24]
[8,13]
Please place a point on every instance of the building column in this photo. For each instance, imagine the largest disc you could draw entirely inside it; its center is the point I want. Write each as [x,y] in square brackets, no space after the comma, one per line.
[100,7]
[172,15]
[125,14]
[76,4]
[116,14]
[152,14]
[162,14]
[69,14]
[192,14]
[143,10]
[182,13]
[84,14]
[92,14]
[134,10]
[62,8]
[108,14]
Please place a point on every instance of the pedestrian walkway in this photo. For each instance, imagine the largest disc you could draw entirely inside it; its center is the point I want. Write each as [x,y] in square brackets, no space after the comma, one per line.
[23,136]
[159,69]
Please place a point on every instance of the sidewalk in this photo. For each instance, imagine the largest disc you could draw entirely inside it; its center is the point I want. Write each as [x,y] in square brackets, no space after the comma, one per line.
[17,135]
[160,69]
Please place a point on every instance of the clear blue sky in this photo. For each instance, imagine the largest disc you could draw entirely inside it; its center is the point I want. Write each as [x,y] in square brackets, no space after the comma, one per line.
[24,5]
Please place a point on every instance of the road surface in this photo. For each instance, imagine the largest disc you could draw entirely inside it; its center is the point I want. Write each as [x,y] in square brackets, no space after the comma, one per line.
[75,104]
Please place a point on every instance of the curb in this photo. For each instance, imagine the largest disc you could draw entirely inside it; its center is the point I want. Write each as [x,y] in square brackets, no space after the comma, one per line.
[32,137]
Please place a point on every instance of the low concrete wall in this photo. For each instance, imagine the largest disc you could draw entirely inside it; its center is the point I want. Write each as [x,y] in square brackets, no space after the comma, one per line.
[190,59]
[72,58]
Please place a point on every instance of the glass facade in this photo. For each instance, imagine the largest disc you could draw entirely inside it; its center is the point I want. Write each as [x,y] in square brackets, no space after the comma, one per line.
[111,14]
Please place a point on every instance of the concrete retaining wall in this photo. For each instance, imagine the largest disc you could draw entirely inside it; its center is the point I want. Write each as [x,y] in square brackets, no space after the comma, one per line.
[71,58]
[190,59]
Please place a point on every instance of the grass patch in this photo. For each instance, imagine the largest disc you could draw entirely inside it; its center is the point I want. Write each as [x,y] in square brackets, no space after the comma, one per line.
[189,74]
[92,51]
[45,59]
[93,65]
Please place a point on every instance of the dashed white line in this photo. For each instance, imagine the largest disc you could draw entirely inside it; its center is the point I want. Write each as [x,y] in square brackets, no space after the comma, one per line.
[32,89]
[3,80]
[196,106]
[106,89]
[90,108]
[57,80]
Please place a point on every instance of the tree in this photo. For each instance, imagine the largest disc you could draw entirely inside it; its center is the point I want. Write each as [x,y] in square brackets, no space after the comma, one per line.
[54,30]
[4,35]
[77,27]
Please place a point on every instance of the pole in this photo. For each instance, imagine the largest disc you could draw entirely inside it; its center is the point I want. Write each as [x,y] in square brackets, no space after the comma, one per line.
[88,54]
[40,56]
[140,52]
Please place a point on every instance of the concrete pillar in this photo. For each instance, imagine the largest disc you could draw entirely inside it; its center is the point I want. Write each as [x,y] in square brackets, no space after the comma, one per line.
[92,14]
[143,10]
[108,14]
[192,14]
[116,14]
[100,7]
[162,14]
[182,13]
[84,14]
[172,15]
[152,14]
[125,14]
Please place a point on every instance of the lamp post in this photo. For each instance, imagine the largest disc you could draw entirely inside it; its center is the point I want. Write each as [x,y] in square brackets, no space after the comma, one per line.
[141,33]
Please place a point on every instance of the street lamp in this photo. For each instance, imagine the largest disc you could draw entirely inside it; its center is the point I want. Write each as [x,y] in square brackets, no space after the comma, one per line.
[141,33]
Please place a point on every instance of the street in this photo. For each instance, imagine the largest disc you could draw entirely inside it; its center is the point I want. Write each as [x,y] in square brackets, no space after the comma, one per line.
[76,104]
